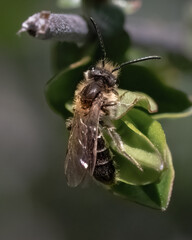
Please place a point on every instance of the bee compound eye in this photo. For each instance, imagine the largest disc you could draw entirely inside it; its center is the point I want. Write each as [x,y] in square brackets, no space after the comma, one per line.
[91,68]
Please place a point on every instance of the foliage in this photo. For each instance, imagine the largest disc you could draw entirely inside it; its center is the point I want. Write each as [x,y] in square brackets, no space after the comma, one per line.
[142,135]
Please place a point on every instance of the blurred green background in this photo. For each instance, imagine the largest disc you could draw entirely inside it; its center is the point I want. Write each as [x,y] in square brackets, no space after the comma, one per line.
[35,202]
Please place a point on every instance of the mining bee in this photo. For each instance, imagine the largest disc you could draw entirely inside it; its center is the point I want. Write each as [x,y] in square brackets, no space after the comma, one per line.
[95,101]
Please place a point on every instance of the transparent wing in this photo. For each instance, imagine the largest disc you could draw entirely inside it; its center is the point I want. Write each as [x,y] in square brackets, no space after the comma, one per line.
[82,146]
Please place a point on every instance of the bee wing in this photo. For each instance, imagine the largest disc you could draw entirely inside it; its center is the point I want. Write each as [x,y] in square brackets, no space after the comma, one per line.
[82,146]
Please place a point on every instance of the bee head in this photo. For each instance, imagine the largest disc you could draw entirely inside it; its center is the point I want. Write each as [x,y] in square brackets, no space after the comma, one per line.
[102,74]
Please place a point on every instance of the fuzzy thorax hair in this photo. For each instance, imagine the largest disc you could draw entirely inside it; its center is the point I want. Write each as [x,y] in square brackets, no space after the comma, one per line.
[109,66]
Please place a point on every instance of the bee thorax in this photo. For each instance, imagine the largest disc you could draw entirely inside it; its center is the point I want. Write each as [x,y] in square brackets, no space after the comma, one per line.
[89,93]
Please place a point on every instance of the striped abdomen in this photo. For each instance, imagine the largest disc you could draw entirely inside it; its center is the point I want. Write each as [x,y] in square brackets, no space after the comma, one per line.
[104,169]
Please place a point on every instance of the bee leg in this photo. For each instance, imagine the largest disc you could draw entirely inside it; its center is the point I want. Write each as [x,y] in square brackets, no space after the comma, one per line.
[109,108]
[68,123]
[119,143]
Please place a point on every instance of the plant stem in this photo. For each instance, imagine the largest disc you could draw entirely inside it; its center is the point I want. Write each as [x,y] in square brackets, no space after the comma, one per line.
[61,27]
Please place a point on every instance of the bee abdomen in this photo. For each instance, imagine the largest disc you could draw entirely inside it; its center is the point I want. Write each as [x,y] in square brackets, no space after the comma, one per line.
[104,169]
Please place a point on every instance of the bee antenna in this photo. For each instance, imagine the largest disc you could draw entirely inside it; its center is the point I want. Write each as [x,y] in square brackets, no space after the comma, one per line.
[100,40]
[135,61]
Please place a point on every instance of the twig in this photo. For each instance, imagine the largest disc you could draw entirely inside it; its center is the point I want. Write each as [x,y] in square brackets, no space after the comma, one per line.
[61,27]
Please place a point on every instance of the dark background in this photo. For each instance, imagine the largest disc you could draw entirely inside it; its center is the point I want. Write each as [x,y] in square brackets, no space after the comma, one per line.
[35,202]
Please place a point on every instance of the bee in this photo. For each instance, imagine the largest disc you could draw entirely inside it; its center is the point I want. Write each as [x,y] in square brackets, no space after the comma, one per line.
[95,101]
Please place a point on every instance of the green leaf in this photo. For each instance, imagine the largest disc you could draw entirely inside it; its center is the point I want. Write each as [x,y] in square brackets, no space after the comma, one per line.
[110,21]
[60,89]
[108,17]
[129,99]
[65,53]
[156,195]
[168,99]
[186,113]
[144,140]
